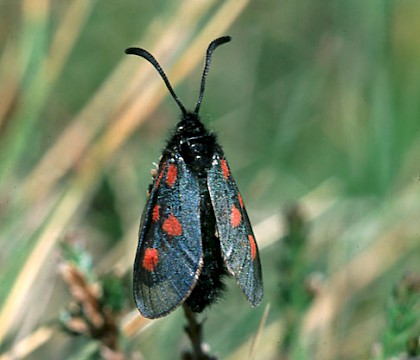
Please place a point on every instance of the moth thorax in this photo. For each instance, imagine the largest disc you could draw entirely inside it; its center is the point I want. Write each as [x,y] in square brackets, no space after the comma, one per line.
[190,117]
[197,152]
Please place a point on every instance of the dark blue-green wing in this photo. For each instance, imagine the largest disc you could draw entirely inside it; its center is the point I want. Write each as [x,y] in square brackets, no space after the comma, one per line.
[169,252]
[237,239]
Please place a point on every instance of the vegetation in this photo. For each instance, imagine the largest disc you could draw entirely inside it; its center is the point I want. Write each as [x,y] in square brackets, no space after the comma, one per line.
[317,107]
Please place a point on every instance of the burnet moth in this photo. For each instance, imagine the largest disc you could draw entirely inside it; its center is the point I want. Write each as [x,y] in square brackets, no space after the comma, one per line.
[194,229]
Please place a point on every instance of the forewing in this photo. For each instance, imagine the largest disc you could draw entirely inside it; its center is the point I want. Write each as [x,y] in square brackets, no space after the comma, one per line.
[169,252]
[237,239]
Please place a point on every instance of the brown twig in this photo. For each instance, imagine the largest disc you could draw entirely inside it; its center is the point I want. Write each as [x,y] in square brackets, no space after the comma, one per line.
[194,330]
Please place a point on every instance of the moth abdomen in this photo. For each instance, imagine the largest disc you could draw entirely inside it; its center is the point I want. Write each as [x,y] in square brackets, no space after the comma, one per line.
[210,284]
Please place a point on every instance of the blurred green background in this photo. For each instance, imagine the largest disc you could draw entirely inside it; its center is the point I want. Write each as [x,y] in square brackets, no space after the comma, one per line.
[316,104]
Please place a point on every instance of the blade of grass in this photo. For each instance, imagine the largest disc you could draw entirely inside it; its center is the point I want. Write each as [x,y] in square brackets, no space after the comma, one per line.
[10,78]
[41,84]
[32,46]
[27,345]
[48,71]
[257,337]
[359,273]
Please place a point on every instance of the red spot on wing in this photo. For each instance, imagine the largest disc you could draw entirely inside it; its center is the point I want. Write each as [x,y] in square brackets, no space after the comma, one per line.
[155,213]
[241,202]
[253,246]
[172,226]
[150,259]
[225,168]
[235,216]
[171,175]
[160,175]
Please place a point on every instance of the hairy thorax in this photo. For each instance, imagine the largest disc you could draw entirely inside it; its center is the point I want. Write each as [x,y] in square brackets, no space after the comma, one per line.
[194,143]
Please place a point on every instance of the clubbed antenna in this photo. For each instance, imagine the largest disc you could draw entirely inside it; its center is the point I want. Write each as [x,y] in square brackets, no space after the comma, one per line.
[213,45]
[150,58]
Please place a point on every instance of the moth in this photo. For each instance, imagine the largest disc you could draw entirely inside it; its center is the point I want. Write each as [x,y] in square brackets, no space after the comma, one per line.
[194,229]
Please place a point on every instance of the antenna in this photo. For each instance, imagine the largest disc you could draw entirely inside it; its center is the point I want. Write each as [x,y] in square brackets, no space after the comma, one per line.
[149,57]
[213,45]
